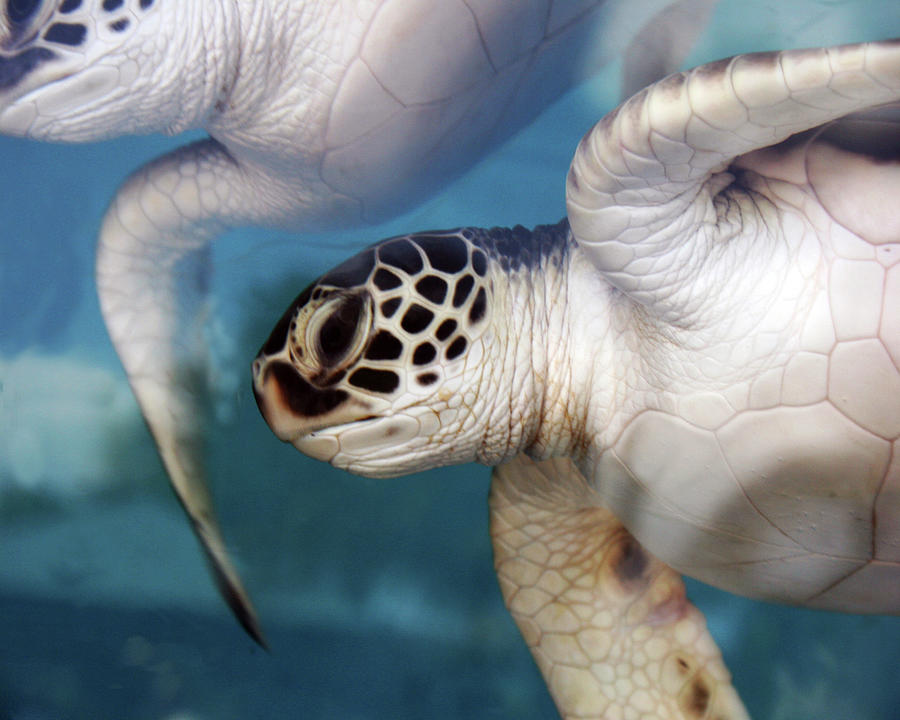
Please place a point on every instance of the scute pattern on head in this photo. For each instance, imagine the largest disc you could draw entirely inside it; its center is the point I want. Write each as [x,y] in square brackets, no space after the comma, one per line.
[409,279]
[376,334]
[422,314]
[431,264]
[71,24]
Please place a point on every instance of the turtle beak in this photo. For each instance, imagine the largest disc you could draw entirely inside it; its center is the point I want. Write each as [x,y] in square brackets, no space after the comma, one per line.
[293,407]
[16,72]
[275,384]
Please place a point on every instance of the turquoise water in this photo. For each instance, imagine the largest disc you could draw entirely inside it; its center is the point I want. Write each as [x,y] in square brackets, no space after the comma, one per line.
[378,597]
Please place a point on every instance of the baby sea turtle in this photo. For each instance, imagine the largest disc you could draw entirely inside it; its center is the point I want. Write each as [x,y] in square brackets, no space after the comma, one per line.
[320,113]
[696,372]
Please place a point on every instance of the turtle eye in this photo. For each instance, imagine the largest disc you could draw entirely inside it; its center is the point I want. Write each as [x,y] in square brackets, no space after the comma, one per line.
[20,19]
[338,329]
[20,12]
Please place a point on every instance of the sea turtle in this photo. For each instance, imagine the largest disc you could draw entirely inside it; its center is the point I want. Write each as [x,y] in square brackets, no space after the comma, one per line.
[320,113]
[698,372]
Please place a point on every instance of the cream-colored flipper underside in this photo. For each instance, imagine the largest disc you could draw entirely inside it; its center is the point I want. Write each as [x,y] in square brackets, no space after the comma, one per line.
[608,624]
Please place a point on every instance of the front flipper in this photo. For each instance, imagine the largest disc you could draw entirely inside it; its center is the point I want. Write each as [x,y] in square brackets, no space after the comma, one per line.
[608,624]
[152,278]
[648,190]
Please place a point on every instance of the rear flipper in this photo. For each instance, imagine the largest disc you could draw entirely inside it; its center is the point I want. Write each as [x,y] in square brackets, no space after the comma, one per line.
[608,624]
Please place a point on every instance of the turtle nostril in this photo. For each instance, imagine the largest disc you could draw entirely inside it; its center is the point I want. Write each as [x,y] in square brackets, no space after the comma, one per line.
[256,368]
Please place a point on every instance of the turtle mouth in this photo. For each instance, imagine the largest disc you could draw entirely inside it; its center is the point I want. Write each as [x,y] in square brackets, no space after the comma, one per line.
[19,74]
[320,422]
[46,92]
[290,405]
[372,445]
[326,442]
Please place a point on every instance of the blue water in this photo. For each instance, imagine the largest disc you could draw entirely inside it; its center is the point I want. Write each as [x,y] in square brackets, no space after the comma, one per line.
[378,597]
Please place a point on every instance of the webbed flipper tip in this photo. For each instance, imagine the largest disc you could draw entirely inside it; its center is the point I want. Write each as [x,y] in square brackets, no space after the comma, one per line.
[229,582]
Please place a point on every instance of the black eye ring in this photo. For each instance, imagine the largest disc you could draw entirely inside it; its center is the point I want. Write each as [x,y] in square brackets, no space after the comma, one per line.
[340,334]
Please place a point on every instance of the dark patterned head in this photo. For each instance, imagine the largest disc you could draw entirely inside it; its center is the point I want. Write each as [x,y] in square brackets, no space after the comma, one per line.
[367,363]
[80,70]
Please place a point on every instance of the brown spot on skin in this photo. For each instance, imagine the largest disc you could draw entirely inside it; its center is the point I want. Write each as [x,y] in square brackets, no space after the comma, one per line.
[463,289]
[695,700]
[445,252]
[479,263]
[629,562]
[401,254]
[384,346]
[380,381]
[416,319]
[427,378]
[479,305]
[386,280]
[445,329]
[456,348]
[424,354]
[432,288]
[389,307]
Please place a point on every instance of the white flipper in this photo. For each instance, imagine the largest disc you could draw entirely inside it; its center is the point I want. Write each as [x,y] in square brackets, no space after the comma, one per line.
[152,277]
[646,178]
[607,623]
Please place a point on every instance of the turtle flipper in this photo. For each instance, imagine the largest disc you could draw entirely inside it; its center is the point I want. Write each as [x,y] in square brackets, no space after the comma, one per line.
[152,271]
[607,623]
[645,192]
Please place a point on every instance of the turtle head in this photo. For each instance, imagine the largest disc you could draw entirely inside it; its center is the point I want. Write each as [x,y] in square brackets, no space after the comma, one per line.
[82,70]
[367,369]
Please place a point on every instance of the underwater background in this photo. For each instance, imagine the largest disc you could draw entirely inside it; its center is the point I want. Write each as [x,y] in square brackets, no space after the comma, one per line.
[378,598]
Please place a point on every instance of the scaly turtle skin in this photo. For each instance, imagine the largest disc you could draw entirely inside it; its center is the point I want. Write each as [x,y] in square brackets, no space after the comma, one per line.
[696,372]
[320,113]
